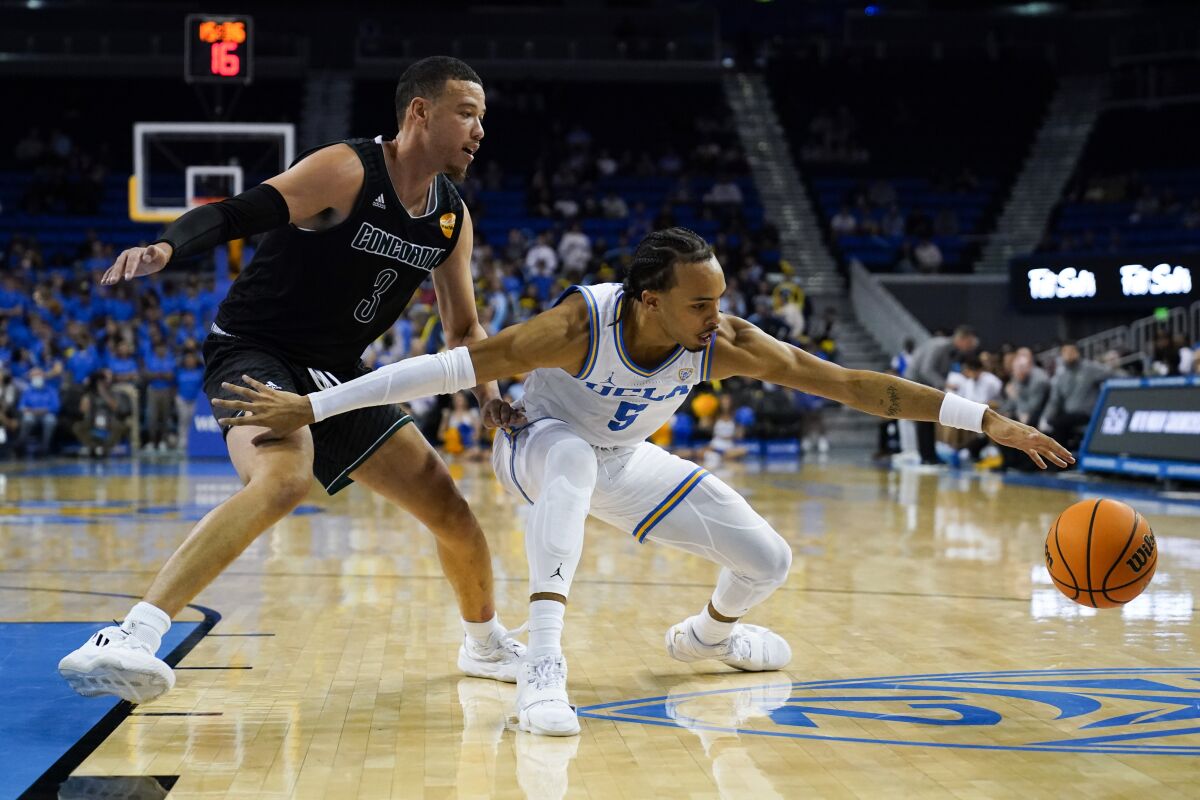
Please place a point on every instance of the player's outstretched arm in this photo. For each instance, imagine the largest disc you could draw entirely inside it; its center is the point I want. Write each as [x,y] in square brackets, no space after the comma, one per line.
[556,338]
[743,349]
[329,178]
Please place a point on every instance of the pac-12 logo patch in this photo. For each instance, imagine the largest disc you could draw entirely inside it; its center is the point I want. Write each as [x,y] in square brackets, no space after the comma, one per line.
[447,222]
[1144,711]
[686,373]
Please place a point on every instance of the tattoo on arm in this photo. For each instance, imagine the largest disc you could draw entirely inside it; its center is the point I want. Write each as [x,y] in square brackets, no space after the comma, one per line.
[893,401]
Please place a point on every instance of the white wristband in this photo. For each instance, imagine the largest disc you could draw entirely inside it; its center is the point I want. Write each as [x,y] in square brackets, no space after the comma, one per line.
[959,412]
[443,373]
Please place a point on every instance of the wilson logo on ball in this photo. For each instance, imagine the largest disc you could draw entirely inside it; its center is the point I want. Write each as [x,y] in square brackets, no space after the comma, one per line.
[1142,554]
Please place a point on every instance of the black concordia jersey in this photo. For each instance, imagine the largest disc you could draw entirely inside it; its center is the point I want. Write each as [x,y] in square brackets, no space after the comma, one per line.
[320,297]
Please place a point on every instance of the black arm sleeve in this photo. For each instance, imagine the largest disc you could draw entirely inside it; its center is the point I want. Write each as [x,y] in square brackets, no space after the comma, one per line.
[254,211]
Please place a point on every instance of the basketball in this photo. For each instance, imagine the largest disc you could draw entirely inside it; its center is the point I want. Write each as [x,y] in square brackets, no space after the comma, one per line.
[1101,553]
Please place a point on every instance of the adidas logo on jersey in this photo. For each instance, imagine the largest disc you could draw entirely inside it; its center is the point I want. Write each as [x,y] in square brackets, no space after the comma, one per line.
[378,202]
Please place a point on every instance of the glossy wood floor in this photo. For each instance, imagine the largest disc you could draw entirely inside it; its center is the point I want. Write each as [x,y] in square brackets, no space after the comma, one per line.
[352,689]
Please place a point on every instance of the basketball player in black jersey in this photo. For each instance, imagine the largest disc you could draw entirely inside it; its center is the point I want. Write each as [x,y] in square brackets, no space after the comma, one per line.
[354,228]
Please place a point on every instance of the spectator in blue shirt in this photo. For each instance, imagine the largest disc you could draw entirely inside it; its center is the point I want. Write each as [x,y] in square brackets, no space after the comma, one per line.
[120,305]
[122,364]
[160,395]
[189,378]
[13,299]
[190,333]
[125,375]
[6,348]
[84,359]
[38,406]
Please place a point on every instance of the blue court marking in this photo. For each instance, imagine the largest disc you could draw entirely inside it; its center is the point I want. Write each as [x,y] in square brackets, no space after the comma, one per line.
[42,717]
[796,710]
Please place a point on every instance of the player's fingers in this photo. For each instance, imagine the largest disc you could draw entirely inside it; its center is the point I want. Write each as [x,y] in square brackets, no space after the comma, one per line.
[262,387]
[1056,459]
[1037,458]
[233,422]
[518,418]
[236,405]
[116,271]
[132,261]
[240,390]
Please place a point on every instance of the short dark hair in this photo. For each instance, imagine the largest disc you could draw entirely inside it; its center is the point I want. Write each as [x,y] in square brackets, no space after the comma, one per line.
[657,254]
[427,78]
[1069,343]
[964,330]
[973,362]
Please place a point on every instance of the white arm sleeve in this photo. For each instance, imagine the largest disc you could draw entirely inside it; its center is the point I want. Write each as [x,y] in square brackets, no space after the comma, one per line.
[443,373]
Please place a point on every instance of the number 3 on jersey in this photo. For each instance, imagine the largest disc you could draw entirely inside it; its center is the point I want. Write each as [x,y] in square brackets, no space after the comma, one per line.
[627,412]
[367,308]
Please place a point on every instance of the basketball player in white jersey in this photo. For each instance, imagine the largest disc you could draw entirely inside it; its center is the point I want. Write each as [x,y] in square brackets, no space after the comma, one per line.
[609,364]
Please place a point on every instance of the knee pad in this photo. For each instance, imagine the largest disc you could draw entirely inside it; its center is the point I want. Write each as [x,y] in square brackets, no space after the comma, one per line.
[554,530]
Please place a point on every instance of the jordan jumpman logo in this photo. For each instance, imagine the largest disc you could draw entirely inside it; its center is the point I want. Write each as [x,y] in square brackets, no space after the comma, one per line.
[558,574]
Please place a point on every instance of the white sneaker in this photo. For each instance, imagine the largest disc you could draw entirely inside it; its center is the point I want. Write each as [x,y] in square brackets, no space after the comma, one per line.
[751,648]
[542,705]
[117,663]
[499,659]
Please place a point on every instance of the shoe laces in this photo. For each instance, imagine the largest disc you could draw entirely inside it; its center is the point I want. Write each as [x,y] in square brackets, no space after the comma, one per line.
[739,644]
[549,672]
[508,641]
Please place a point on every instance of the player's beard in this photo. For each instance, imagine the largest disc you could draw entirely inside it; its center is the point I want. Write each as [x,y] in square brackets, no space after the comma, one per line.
[456,173]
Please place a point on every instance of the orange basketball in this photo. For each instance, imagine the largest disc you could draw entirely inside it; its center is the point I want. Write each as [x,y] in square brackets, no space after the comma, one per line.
[1101,553]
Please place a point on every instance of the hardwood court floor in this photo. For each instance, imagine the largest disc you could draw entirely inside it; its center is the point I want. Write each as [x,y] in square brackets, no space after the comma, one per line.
[331,671]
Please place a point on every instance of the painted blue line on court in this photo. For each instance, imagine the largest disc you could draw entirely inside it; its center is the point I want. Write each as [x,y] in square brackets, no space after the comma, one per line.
[980,701]
[42,716]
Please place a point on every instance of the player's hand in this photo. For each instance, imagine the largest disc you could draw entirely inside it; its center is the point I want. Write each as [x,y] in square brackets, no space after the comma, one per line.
[497,413]
[279,411]
[1038,446]
[136,262]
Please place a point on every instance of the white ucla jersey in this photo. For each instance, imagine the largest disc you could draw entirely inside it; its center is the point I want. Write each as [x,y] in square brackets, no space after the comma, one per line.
[611,401]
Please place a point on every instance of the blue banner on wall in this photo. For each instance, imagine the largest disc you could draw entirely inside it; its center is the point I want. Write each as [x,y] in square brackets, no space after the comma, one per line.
[204,439]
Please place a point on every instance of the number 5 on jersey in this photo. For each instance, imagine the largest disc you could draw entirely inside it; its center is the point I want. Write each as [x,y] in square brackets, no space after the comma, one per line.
[626,414]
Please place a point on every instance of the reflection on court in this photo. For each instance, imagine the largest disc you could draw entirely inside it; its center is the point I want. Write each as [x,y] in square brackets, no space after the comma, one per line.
[932,655]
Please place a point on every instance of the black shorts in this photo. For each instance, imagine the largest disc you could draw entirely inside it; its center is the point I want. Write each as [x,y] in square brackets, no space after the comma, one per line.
[340,443]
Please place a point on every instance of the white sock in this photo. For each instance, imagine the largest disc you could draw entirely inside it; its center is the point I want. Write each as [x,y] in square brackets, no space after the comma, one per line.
[709,630]
[480,632]
[545,628]
[148,623]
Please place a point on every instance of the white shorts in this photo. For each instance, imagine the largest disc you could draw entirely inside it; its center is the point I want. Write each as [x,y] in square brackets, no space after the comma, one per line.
[636,486]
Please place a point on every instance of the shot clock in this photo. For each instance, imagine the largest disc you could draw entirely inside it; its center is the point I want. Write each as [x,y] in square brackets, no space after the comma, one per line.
[218,48]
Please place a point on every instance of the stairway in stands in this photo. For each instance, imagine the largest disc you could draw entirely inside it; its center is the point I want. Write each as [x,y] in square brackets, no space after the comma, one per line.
[786,205]
[1052,160]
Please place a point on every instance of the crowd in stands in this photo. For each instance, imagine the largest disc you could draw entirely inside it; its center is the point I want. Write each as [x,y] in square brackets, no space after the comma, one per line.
[88,369]
[1136,188]
[1056,396]
[1127,212]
